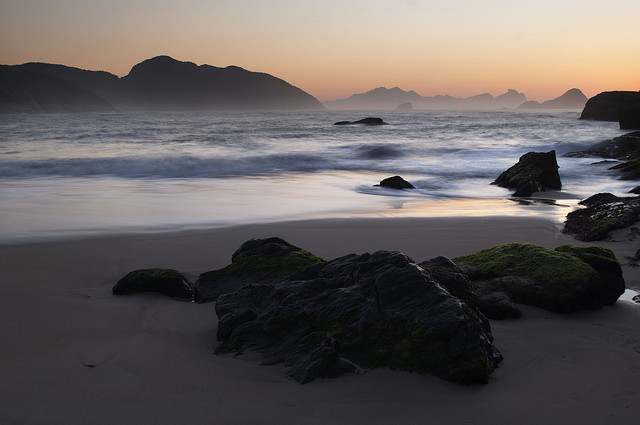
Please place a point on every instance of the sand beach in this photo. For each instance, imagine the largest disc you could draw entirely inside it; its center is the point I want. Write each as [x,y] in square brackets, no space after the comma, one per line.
[73,353]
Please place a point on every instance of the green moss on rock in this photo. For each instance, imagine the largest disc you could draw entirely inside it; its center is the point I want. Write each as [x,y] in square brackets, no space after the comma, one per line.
[526,260]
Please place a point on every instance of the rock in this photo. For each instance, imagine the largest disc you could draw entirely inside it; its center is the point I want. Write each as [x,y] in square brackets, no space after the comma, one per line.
[356,313]
[623,147]
[606,105]
[264,260]
[563,280]
[395,182]
[498,306]
[165,281]
[630,115]
[604,212]
[365,121]
[534,172]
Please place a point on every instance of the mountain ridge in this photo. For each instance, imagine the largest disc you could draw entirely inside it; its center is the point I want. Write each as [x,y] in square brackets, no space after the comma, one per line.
[158,83]
[382,98]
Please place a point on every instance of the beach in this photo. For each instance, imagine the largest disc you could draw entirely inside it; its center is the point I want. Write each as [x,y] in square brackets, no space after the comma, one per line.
[73,353]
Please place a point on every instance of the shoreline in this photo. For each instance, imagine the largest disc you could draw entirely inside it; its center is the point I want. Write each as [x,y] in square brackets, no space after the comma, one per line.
[74,352]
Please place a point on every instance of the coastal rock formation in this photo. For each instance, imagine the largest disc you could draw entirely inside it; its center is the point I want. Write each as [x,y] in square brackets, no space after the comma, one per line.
[604,212]
[364,121]
[257,260]
[159,83]
[534,172]
[566,279]
[395,182]
[165,281]
[624,148]
[606,105]
[571,99]
[355,313]
[630,115]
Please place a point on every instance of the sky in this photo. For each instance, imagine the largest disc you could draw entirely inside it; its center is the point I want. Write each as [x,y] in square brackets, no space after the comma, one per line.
[335,48]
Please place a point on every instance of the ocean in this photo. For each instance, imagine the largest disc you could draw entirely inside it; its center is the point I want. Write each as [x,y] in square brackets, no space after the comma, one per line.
[68,175]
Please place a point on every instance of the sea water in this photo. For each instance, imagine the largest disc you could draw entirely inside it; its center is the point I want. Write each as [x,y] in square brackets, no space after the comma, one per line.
[70,174]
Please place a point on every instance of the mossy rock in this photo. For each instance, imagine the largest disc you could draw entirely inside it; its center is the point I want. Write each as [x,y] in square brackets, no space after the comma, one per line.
[257,260]
[604,213]
[165,281]
[562,280]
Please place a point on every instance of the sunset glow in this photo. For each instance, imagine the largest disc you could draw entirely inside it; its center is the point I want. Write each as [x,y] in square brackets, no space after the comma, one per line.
[333,49]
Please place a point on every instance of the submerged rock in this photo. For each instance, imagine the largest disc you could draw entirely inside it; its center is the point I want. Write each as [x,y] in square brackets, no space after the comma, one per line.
[566,279]
[359,312]
[534,172]
[395,182]
[165,281]
[365,121]
[604,212]
[257,260]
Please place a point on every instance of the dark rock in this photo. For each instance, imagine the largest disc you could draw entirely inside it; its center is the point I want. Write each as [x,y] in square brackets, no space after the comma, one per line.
[623,147]
[606,105]
[636,298]
[630,115]
[498,306]
[635,190]
[365,121]
[604,212]
[534,172]
[165,281]
[359,312]
[257,260]
[565,280]
[395,182]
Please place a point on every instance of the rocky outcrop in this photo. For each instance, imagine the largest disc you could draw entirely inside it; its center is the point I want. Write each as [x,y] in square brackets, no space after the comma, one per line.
[364,121]
[165,281]
[534,172]
[395,182]
[257,260]
[563,280]
[630,115]
[606,105]
[356,313]
[604,213]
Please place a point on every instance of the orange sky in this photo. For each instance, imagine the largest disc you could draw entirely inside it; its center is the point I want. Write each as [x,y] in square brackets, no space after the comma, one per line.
[334,48]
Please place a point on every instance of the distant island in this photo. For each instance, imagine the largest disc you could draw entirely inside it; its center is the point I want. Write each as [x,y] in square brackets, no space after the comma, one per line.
[395,98]
[572,99]
[160,83]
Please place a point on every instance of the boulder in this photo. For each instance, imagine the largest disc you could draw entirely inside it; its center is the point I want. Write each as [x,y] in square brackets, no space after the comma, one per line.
[257,260]
[534,172]
[356,313]
[604,212]
[630,115]
[364,121]
[165,281]
[395,182]
[563,280]
[606,105]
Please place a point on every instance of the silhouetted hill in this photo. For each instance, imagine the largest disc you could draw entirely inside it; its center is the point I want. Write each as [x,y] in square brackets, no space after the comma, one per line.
[386,99]
[165,83]
[571,99]
[23,90]
[161,83]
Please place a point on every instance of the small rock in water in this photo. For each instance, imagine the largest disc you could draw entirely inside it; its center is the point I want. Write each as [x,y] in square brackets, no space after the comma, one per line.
[395,182]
